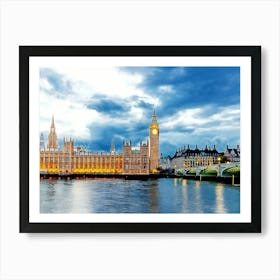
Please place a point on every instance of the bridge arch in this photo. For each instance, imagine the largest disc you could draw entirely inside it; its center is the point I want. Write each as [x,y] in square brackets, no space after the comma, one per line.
[210,170]
[232,170]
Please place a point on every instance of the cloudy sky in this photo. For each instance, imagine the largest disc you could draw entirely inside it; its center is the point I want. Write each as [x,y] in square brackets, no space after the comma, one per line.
[194,105]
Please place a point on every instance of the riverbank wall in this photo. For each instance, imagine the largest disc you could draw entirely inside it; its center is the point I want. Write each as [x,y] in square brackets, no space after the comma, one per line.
[69,176]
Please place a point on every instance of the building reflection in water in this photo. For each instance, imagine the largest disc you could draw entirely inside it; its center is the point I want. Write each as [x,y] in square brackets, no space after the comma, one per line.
[220,198]
[154,196]
[51,190]
[80,196]
[198,197]
[184,196]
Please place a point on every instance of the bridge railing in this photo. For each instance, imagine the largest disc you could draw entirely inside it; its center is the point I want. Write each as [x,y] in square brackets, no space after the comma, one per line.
[219,167]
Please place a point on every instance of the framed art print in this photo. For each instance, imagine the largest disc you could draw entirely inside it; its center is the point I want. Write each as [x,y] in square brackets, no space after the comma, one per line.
[140,138]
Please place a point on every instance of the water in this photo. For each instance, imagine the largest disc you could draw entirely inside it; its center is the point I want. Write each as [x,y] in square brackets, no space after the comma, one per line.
[163,195]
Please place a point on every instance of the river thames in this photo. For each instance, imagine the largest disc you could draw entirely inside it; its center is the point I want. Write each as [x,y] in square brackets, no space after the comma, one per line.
[164,195]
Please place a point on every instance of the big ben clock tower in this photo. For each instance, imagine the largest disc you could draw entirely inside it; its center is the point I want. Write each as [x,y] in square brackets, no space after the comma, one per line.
[154,144]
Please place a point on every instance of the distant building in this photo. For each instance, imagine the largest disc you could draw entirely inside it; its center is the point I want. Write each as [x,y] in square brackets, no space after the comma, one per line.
[79,149]
[70,159]
[42,142]
[233,154]
[165,162]
[187,157]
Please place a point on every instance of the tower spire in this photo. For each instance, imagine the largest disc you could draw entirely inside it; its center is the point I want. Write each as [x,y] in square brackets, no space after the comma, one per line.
[52,125]
[52,139]
[112,150]
[154,117]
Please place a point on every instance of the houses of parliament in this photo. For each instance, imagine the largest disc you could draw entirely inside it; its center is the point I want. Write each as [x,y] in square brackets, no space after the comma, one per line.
[76,160]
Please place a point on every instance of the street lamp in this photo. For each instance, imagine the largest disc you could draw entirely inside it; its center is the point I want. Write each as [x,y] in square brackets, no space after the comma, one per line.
[219,166]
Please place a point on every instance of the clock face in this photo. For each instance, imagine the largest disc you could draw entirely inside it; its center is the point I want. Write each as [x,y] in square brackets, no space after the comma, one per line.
[154,131]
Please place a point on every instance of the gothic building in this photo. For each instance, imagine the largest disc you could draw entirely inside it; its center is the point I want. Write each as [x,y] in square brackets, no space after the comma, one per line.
[143,159]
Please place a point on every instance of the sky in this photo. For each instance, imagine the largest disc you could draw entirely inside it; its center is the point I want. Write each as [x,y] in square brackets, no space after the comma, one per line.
[194,105]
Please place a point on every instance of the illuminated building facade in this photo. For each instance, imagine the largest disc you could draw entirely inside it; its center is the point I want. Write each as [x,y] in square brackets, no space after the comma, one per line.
[187,157]
[143,159]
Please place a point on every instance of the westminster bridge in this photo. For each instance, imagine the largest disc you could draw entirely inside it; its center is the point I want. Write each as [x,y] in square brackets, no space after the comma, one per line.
[220,168]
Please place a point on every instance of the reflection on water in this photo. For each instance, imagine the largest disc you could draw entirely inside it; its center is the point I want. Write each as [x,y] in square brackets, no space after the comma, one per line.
[184,196]
[153,194]
[197,197]
[135,196]
[220,198]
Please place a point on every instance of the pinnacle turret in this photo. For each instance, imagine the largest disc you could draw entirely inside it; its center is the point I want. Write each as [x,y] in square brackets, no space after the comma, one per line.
[52,139]
[154,117]
[112,150]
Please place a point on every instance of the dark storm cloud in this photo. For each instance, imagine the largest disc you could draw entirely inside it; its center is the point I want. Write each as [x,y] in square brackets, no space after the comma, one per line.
[102,103]
[102,136]
[191,86]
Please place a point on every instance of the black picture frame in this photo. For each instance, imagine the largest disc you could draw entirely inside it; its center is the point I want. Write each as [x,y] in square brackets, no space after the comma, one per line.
[254,52]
